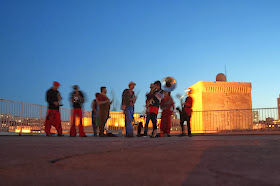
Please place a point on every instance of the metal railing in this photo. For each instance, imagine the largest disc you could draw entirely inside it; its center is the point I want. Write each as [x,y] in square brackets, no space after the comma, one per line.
[22,117]
[213,121]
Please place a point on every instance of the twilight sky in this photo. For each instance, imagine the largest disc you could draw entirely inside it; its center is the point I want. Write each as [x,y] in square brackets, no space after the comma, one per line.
[109,43]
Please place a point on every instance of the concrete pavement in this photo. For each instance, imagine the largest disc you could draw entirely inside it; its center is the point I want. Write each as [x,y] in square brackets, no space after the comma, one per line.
[207,160]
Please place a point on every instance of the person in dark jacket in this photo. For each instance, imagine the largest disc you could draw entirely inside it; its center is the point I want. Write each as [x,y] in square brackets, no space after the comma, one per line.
[53,115]
[128,100]
[186,114]
[77,99]
[154,98]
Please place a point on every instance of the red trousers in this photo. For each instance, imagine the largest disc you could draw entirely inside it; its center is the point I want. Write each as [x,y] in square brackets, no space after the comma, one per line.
[53,119]
[77,112]
[165,121]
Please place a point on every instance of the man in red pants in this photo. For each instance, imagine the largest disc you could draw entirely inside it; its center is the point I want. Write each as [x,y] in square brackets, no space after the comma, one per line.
[167,106]
[77,99]
[53,116]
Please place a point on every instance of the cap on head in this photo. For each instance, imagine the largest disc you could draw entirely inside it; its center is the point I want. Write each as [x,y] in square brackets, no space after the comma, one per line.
[131,83]
[55,83]
[188,91]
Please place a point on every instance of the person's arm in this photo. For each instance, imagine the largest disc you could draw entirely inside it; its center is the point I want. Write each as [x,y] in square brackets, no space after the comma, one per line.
[82,97]
[159,96]
[133,98]
[48,97]
[124,100]
[71,97]
[93,106]
[102,102]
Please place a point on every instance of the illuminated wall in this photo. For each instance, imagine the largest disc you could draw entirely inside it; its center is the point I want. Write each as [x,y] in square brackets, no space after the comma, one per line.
[215,104]
[278,105]
[115,122]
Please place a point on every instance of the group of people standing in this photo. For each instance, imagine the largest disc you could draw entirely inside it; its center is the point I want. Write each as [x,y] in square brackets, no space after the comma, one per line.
[155,99]
[53,115]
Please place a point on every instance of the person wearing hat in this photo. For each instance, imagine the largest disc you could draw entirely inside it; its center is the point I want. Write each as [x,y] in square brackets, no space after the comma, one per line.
[128,101]
[186,114]
[53,115]
[77,99]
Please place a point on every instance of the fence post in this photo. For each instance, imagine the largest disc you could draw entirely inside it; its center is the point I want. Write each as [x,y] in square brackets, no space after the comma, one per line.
[21,118]
[41,117]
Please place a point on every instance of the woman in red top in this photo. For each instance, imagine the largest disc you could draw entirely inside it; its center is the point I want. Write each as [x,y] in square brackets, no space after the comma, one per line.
[167,106]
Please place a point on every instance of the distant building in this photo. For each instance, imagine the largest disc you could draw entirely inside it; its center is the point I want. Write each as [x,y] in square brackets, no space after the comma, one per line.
[255,116]
[221,105]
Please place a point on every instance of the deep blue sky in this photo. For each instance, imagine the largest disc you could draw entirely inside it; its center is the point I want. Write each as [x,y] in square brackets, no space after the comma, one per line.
[111,42]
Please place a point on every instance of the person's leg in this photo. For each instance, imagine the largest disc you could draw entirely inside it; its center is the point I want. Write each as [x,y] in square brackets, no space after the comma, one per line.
[81,127]
[57,123]
[182,120]
[189,126]
[47,123]
[93,121]
[73,123]
[168,126]
[147,124]
[129,117]
[164,122]
[139,128]
[102,118]
[154,121]
[126,121]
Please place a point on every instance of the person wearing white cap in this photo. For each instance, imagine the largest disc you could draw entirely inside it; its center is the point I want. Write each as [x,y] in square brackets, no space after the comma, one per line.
[128,101]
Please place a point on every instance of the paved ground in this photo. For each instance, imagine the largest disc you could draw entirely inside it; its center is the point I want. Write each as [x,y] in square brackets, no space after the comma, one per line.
[200,160]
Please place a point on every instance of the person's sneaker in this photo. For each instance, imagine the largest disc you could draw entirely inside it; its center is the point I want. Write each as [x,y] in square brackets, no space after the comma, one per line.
[84,136]
[153,135]
[190,135]
[168,135]
[60,135]
[139,135]
[72,136]
[101,135]
[49,135]
[95,135]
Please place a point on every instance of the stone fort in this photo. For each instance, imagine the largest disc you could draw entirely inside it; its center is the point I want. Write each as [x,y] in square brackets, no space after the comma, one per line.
[220,105]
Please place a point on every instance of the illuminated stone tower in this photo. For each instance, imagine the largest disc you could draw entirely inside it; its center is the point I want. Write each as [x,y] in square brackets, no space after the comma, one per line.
[215,105]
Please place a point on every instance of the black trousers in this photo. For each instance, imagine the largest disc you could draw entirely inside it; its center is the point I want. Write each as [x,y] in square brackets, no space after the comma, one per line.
[187,118]
[153,117]
[94,123]
[139,128]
